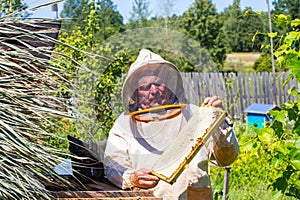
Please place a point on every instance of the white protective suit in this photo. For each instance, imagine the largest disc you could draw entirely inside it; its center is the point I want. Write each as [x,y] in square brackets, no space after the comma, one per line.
[134,144]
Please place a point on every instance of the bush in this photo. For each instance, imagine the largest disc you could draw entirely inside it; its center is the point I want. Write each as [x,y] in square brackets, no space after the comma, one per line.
[263,64]
[256,174]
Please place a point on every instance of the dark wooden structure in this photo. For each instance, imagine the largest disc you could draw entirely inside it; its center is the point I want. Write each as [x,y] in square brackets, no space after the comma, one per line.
[100,190]
[34,36]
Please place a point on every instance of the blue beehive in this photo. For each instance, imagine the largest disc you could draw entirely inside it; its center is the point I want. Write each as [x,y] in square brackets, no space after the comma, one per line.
[257,115]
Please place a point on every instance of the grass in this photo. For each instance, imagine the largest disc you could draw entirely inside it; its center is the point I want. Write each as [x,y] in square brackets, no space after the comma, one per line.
[242,62]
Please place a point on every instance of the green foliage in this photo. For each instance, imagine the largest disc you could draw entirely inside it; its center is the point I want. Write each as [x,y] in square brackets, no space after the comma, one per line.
[110,20]
[250,23]
[263,167]
[12,7]
[140,11]
[239,27]
[108,95]
[96,76]
[61,127]
[231,25]
[74,9]
[288,53]
[287,7]
[270,158]
[101,13]
[263,64]
[281,141]
[201,22]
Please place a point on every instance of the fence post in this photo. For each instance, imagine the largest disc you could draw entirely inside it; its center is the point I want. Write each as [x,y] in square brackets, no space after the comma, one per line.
[226,183]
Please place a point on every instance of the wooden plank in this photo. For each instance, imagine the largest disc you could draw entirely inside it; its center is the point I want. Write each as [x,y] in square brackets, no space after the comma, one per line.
[280,88]
[260,87]
[233,93]
[241,97]
[213,83]
[275,88]
[271,93]
[196,87]
[222,92]
[225,75]
[284,77]
[201,87]
[240,90]
[114,194]
[247,90]
[101,190]
[207,85]
[187,84]
[289,86]
[237,105]
[267,92]
[190,86]
[254,88]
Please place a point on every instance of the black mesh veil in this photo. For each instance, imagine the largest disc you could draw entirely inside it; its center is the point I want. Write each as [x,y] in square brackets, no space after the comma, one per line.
[151,73]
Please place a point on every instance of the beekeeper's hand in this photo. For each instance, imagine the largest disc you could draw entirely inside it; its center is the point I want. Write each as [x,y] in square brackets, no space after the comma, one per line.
[143,178]
[213,101]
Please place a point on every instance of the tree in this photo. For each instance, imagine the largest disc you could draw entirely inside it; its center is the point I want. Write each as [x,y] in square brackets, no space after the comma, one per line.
[13,6]
[251,23]
[232,25]
[75,12]
[108,20]
[288,7]
[201,22]
[74,9]
[140,10]
[96,84]
[165,8]
[240,27]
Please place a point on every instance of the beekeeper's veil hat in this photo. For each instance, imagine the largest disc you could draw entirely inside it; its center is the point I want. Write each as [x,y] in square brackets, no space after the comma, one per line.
[151,64]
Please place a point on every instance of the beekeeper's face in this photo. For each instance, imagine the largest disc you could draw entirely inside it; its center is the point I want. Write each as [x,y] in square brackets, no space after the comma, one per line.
[152,92]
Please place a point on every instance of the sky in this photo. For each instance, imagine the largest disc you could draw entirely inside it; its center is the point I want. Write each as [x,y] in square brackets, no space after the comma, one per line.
[125,6]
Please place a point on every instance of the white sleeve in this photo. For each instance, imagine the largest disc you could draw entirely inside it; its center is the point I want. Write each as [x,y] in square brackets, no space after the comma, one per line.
[117,163]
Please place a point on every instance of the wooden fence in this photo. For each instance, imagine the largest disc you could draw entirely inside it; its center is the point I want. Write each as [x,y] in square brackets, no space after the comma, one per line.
[239,90]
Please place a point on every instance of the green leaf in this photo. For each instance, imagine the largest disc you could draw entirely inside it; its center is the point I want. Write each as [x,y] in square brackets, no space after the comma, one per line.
[266,135]
[296,164]
[295,22]
[294,68]
[247,146]
[279,147]
[272,35]
[281,116]
[276,195]
[282,17]
[297,143]
[294,156]
[276,162]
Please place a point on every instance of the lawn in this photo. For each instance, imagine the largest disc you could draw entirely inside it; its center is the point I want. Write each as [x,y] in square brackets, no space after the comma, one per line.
[241,62]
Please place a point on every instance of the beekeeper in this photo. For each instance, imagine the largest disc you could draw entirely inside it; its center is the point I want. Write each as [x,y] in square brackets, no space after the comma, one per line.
[136,141]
